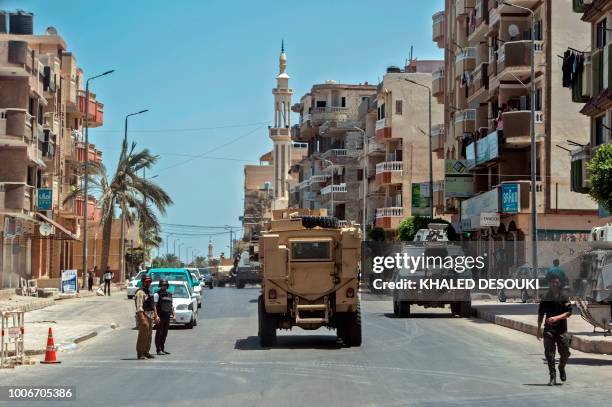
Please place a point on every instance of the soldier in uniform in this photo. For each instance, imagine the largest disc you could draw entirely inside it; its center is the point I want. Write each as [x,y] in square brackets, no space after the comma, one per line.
[556,307]
[146,315]
[165,311]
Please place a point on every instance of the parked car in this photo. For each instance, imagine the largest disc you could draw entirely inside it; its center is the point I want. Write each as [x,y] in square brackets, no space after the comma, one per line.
[208,277]
[133,285]
[524,272]
[178,274]
[184,302]
[195,275]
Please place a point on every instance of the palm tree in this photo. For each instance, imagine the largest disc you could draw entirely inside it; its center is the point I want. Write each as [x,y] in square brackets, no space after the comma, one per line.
[127,191]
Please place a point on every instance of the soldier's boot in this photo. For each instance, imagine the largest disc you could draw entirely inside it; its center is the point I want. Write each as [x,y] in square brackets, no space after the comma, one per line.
[562,374]
[553,375]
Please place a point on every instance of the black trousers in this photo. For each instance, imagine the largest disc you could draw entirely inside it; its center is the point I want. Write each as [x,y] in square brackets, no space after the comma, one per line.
[561,342]
[107,287]
[162,332]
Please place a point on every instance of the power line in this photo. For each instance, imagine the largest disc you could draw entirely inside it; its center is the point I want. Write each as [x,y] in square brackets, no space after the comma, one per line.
[186,129]
[200,227]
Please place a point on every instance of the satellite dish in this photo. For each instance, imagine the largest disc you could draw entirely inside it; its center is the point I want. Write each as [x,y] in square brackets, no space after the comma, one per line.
[51,31]
[46,229]
[513,30]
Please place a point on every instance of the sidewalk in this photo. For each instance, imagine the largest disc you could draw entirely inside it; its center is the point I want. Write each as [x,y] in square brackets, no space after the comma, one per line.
[524,318]
[73,320]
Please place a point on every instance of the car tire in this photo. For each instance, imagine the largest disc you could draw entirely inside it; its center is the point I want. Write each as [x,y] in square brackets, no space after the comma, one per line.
[524,296]
[395,308]
[190,324]
[403,308]
[211,286]
[501,296]
[349,329]
[199,305]
[327,222]
[195,319]
[239,284]
[267,325]
[465,309]
[455,308]
[130,297]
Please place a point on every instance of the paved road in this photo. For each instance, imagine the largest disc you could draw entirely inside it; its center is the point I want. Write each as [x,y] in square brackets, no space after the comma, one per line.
[430,359]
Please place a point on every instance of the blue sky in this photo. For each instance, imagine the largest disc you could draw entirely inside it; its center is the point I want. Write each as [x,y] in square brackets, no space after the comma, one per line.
[199,64]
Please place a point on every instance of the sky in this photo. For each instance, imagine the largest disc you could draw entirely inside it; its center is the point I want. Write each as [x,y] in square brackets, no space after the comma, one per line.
[205,70]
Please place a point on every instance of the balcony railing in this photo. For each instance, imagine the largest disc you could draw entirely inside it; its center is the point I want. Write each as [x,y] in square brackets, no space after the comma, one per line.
[437,137]
[96,109]
[517,126]
[437,85]
[389,166]
[95,155]
[517,54]
[396,212]
[465,115]
[17,196]
[336,189]
[438,28]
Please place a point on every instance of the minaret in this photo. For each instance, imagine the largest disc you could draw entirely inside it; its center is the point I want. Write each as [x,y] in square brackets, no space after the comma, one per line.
[210,251]
[281,134]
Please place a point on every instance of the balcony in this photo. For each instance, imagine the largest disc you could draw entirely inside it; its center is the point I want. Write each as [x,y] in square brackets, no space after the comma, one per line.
[96,109]
[517,127]
[514,60]
[93,211]
[463,7]
[478,90]
[383,130]
[507,9]
[480,26]
[580,177]
[465,122]
[336,192]
[437,84]
[95,155]
[438,28]
[16,123]
[17,197]
[320,115]
[16,59]
[389,173]
[465,61]
[437,138]
[375,148]
[389,218]
[494,16]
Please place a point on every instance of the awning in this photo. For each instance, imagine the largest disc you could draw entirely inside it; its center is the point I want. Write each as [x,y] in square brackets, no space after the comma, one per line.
[58,226]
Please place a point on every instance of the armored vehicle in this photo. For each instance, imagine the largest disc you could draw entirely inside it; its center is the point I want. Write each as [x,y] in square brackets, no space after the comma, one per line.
[310,275]
[247,270]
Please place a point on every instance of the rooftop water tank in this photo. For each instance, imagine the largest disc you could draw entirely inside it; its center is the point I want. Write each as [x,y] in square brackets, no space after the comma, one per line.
[21,23]
[2,22]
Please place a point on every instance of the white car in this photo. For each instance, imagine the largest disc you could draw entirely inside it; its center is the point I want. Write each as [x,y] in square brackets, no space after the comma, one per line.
[184,302]
[197,289]
[132,287]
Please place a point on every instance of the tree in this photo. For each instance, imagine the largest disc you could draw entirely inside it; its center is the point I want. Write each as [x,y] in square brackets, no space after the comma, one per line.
[600,168]
[377,234]
[409,227]
[127,191]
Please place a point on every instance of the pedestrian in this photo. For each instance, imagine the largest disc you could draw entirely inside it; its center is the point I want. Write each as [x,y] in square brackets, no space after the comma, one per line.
[90,278]
[556,307]
[145,317]
[556,270]
[108,277]
[165,313]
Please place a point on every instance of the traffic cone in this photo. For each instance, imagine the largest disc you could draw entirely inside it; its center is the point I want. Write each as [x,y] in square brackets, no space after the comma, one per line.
[50,357]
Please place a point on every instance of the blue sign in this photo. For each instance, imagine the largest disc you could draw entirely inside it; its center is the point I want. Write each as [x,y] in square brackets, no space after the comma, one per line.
[45,199]
[510,198]
[69,282]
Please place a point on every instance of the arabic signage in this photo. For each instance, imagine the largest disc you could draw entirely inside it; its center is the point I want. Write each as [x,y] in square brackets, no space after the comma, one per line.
[45,199]
[420,199]
[458,182]
[472,208]
[69,281]
[510,198]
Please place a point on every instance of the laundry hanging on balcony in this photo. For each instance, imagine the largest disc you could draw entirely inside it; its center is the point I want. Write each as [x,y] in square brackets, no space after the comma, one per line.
[573,65]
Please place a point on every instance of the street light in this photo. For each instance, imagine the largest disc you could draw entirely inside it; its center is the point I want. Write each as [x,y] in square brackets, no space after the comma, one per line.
[332,185]
[431,205]
[86,171]
[365,181]
[534,215]
[144,226]
[122,267]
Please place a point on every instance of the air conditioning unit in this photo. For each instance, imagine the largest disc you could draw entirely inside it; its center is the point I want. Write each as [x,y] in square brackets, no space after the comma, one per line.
[587,2]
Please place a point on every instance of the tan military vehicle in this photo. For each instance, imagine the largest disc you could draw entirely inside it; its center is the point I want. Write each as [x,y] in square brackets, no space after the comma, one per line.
[310,275]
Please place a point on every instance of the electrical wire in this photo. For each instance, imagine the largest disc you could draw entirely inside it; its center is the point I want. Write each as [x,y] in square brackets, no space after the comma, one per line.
[185,129]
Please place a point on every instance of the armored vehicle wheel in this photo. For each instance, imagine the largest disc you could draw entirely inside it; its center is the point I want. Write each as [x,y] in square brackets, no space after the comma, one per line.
[349,329]
[239,284]
[465,309]
[403,308]
[501,296]
[524,296]
[328,222]
[395,308]
[267,325]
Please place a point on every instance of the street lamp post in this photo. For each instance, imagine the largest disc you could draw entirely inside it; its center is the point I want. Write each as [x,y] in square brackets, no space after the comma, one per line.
[331,163]
[431,206]
[122,260]
[86,172]
[534,212]
[365,181]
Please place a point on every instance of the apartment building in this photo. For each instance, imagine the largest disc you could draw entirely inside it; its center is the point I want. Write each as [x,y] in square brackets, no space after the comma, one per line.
[590,88]
[485,90]
[329,176]
[42,108]
[396,124]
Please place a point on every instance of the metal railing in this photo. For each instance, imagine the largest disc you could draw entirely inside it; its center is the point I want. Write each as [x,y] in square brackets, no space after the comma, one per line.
[389,166]
[335,188]
[392,212]
[465,115]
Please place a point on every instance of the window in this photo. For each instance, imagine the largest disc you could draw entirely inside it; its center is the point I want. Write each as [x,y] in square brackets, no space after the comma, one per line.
[310,251]
[599,131]
[398,107]
[381,112]
[343,101]
[321,103]
[538,99]
[602,33]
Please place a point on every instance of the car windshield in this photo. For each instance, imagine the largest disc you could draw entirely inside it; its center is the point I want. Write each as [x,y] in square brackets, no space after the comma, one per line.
[177,291]
[205,272]
[169,276]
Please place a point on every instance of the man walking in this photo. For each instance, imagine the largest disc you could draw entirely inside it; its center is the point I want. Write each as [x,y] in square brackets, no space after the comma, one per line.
[556,307]
[165,312]
[108,277]
[90,278]
[556,270]
[145,317]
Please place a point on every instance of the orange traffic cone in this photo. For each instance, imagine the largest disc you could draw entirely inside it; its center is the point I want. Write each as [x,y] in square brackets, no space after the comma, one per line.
[50,357]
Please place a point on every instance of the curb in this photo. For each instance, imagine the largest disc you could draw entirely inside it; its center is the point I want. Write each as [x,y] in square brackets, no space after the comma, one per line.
[577,342]
[72,342]
[36,305]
